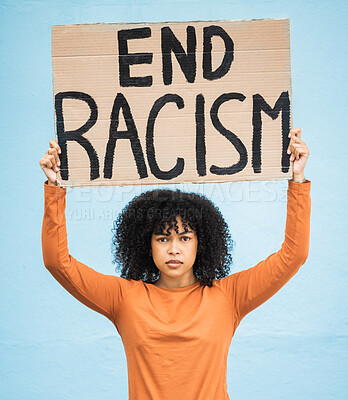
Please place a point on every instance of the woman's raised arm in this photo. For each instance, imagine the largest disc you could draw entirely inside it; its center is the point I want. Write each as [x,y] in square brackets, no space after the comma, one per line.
[250,288]
[97,291]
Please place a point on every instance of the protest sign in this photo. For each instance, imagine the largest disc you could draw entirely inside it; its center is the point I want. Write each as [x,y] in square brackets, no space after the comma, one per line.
[174,102]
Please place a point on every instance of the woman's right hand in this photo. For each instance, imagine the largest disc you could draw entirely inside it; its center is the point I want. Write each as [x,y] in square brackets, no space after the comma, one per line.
[50,163]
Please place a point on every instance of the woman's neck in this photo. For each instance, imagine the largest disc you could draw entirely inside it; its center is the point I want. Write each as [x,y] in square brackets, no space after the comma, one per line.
[175,283]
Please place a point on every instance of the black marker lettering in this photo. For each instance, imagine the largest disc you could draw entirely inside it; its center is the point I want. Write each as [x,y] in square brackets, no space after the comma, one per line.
[150,148]
[225,66]
[281,105]
[126,59]
[76,135]
[130,134]
[201,163]
[237,143]
[187,61]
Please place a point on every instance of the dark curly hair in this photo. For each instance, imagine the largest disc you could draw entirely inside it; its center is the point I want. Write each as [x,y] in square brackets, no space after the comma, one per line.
[155,210]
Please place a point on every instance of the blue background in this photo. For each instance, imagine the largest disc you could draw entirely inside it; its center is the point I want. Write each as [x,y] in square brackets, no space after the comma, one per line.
[292,347]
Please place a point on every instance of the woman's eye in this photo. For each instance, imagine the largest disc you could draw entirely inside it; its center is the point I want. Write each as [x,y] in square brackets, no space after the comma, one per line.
[183,239]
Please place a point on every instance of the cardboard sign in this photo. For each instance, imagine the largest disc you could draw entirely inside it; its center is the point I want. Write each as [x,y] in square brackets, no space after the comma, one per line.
[172,102]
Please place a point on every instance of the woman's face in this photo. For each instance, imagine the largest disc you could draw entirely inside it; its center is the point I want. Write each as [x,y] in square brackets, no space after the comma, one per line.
[175,253]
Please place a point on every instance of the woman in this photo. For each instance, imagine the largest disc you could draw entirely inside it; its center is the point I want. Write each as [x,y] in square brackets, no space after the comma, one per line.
[174,306]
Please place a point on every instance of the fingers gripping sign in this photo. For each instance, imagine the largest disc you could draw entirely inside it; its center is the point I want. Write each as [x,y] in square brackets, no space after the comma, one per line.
[50,162]
[298,152]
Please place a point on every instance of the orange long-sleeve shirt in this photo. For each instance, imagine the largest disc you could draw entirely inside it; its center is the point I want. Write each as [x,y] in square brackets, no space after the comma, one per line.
[176,340]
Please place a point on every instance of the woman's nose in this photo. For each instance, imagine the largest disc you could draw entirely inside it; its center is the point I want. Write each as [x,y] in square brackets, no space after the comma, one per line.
[173,247]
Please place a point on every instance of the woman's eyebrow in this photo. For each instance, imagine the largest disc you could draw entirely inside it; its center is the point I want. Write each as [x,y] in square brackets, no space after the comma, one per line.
[168,234]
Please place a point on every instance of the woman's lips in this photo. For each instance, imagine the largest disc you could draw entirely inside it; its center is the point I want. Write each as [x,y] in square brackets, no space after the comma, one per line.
[173,263]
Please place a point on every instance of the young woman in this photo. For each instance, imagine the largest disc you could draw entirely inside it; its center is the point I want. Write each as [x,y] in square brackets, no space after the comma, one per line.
[175,306]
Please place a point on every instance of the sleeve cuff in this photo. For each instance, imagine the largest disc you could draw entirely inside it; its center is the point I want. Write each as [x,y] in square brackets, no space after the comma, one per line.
[300,187]
[57,191]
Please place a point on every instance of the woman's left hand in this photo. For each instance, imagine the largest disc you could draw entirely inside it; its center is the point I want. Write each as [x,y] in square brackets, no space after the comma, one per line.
[299,153]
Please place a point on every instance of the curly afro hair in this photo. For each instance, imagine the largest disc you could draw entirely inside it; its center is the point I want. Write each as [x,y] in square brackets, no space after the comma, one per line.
[155,210]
